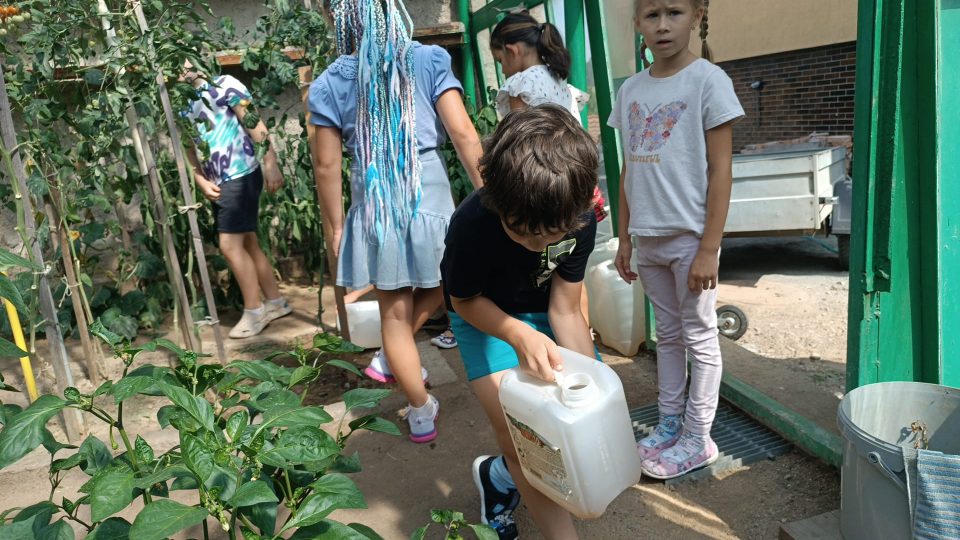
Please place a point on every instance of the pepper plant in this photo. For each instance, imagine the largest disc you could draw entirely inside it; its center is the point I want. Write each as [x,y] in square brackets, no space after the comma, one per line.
[250,451]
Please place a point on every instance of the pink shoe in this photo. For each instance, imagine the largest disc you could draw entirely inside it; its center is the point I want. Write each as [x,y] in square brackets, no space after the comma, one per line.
[423,420]
[664,436]
[379,370]
[688,454]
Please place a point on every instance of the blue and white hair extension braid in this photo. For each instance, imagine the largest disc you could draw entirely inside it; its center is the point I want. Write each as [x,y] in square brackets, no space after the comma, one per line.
[378,31]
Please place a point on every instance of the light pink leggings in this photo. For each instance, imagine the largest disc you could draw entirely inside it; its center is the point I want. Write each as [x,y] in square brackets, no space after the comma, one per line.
[686,326]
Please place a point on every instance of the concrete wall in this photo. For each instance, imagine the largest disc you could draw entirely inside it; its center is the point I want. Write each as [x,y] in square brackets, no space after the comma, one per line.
[747,28]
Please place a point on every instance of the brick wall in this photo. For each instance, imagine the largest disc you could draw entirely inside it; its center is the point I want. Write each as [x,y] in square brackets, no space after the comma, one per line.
[804,91]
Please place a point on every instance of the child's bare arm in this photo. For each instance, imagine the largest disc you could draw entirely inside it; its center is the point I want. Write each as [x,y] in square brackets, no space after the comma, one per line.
[566,317]
[705,267]
[538,353]
[259,133]
[326,147]
[210,190]
[625,249]
[517,104]
[461,131]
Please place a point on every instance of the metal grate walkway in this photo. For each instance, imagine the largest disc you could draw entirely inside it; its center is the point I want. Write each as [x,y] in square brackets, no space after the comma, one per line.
[741,439]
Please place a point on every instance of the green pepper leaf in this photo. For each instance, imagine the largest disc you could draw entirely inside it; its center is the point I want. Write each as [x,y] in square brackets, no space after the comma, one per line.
[164,518]
[25,431]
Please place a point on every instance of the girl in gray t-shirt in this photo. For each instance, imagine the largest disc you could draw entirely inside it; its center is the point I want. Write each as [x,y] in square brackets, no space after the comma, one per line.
[676,118]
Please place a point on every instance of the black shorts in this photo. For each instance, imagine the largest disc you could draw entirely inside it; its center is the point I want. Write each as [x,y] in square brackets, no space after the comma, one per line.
[238,208]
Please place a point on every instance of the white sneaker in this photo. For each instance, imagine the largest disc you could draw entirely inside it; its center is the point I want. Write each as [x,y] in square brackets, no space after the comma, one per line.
[277,308]
[250,324]
[379,369]
[423,420]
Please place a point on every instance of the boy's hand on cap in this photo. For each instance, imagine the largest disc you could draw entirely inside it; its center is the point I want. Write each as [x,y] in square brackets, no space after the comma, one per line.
[539,356]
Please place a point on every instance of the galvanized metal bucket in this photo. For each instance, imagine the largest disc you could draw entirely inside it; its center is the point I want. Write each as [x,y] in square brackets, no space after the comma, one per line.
[881,424]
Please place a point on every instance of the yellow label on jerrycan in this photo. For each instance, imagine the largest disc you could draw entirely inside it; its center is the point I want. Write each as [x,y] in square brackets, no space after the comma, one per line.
[574,437]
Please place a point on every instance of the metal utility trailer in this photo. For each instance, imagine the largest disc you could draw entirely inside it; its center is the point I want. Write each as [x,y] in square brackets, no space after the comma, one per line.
[796,192]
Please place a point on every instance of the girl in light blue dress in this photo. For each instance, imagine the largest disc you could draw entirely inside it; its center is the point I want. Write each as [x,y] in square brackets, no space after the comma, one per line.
[391,102]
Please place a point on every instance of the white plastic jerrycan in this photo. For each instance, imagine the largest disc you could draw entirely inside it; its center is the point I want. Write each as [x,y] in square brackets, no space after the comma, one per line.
[616,307]
[574,438]
[363,318]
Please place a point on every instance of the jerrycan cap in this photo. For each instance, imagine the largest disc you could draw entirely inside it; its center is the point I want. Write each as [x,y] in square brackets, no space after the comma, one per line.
[576,390]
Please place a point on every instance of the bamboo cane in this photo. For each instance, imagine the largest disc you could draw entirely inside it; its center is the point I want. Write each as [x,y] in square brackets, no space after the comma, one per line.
[58,353]
[148,168]
[187,191]
[60,239]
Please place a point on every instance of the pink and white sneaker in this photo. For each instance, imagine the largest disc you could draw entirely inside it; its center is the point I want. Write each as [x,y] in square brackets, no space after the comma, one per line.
[689,453]
[664,436]
[423,420]
[379,369]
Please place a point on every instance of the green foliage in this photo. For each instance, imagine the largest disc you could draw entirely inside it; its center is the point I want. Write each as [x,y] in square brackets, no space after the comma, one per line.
[248,446]
[290,221]
[72,84]
[454,523]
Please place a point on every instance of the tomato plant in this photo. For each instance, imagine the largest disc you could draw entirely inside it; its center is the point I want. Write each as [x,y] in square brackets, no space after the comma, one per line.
[72,82]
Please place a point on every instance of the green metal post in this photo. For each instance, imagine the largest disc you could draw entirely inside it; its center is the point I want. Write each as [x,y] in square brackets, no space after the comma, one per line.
[490,14]
[576,43]
[467,52]
[603,79]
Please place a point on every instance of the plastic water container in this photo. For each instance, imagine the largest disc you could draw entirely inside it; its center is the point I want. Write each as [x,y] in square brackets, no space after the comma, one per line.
[363,319]
[574,438]
[616,307]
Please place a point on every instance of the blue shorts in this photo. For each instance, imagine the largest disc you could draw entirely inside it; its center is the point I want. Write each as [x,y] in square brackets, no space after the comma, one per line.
[484,354]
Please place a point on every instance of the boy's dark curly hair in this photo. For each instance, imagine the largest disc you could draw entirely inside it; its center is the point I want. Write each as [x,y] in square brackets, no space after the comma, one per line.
[540,170]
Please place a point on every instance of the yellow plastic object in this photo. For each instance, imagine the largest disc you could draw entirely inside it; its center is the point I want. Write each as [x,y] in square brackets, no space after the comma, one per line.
[22,343]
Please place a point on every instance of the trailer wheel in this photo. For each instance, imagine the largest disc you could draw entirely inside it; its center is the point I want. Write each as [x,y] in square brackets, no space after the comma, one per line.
[731,321]
[843,251]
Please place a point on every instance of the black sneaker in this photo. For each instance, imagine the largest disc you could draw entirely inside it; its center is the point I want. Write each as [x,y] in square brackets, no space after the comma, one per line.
[438,323]
[496,507]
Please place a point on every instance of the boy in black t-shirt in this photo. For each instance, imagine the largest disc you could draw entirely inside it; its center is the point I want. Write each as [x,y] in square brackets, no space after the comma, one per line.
[516,253]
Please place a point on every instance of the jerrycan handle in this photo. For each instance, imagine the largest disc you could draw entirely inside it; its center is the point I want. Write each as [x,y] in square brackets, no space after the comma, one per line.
[577,390]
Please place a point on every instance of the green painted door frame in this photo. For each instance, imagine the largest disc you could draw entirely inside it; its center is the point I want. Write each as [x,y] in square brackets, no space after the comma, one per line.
[947,27]
[905,242]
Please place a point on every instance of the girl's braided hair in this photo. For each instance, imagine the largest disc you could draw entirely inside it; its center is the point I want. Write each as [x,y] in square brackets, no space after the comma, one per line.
[378,32]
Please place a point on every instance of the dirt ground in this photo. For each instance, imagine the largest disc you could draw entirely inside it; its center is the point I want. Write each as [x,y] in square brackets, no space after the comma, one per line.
[795,298]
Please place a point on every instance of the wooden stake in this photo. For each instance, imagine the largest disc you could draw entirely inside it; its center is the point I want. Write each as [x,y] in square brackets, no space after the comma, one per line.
[73,422]
[187,191]
[148,168]
[59,238]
